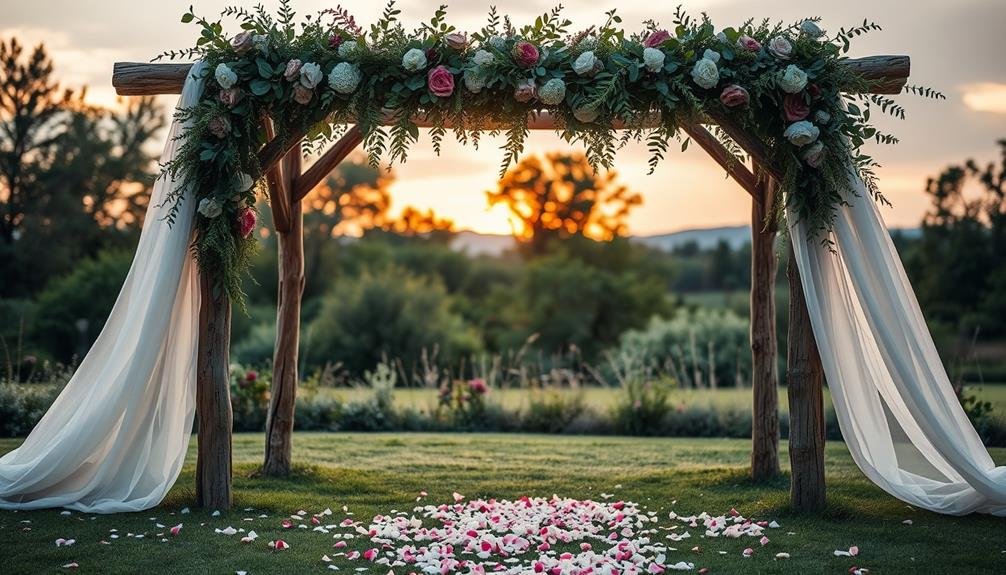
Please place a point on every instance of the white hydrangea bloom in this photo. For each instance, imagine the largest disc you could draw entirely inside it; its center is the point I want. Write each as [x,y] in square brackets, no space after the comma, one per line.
[344,78]
[348,49]
[793,79]
[483,58]
[722,37]
[414,60]
[475,80]
[653,59]
[585,114]
[705,73]
[225,76]
[801,133]
[711,55]
[553,92]
[497,42]
[311,75]
[210,208]
[584,63]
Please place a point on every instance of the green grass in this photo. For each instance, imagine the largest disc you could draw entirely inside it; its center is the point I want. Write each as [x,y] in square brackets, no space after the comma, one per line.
[376,473]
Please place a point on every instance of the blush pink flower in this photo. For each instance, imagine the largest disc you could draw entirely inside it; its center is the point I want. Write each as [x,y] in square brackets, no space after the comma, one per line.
[748,43]
[656,38]
[478,385]
[794,107]
[292,72]
[525,54]
[734,95]
[440,81]
[246,224]
[231,97]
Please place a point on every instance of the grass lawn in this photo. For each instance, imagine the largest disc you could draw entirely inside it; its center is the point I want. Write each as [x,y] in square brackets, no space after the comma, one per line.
[377,473]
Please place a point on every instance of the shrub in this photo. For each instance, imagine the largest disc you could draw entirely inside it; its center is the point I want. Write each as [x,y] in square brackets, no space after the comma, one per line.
[387,313]
[695,344]
[642,407]
[550,411]
[249,397]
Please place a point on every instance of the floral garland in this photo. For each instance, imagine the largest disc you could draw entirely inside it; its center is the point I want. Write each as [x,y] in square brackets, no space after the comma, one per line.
[781,83]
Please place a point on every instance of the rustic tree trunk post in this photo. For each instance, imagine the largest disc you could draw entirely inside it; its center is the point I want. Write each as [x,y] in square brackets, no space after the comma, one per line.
[282,403]
[764,348]
[804,378]
[213,398]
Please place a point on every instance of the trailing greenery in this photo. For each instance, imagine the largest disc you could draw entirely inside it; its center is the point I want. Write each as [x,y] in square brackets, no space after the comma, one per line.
[781,83]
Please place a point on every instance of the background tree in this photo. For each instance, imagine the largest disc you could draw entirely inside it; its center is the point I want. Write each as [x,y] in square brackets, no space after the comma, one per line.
[561,196]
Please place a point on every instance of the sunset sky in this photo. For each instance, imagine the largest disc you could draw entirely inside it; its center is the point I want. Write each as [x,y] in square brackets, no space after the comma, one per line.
[956,47]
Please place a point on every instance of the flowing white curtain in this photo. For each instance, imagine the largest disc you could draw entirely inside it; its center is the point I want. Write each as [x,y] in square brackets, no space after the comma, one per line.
[115,438]
[894,402]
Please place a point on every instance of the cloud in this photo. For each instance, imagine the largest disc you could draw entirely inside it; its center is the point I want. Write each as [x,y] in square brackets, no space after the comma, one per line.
[985,97]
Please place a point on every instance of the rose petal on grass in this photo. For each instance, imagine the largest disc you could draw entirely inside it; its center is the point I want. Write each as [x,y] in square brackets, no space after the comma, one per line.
[176,530]
[854,550]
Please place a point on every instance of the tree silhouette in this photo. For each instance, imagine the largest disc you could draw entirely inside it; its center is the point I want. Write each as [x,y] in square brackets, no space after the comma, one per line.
[561,196]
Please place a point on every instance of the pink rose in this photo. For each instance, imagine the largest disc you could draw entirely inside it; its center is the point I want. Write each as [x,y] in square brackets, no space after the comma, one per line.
[478,386]
[526,54]
[794,108]
[243,42]
[246,225]
[656,38]
[231,96]
[456,40]
[292,71]
[251,375]
[440,81]
[525,91]
[748,43]
[734,95]
[334,41]
[302,95]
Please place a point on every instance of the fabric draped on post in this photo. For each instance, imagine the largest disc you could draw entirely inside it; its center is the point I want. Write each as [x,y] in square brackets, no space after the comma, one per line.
[116,437]
[895,404]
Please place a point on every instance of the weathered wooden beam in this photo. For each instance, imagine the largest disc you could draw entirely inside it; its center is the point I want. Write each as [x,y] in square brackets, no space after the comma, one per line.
[804,381]
[213,397]
[764,345]
[886,75]
[279,191]
[326,163]
[734,167]
[283,396]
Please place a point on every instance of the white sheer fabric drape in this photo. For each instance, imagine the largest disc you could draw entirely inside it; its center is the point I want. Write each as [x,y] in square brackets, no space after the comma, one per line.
[894,402]
[115,438]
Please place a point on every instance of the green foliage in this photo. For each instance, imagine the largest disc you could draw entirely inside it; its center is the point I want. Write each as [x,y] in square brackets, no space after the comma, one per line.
[388,313]
[72,310]
[623,89]
[642,407]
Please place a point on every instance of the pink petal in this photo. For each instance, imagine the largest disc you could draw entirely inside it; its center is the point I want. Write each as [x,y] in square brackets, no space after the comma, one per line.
[854,550]
[339,544]
[763,540]
[176,529]
[458,497]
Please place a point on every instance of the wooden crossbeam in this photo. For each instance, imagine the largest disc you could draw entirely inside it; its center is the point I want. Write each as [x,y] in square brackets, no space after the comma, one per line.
[738,171]
[326,163]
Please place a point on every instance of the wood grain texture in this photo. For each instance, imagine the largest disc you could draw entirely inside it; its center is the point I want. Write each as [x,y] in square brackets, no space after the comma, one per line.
[764,346]
[804,381]
[283,398]
[279,190]
[213,398]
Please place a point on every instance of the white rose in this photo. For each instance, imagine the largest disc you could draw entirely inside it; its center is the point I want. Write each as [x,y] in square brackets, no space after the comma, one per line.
[584,63]
[553,92]
[801,133]
[475,80]
[225,76]
[822,117]
[414,60]
[344,78]
[483,58]
[585,114]
[810,28]
[654,60]
[780,48]
[793,79]
[711,55]
[310,75]
[705,73]
[210,208]
[347,50]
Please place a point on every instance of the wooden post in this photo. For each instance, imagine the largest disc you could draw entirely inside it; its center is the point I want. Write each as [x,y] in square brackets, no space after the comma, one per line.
[213,397]
[764,348]
[283,402]
[804,378]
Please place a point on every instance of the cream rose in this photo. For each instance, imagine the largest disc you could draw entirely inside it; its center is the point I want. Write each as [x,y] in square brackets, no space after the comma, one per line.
[801,133]
[792,79]
[225,76]
[414,60]
[780,48]
[585,64]
[705,73]
[653,59]
[311,75]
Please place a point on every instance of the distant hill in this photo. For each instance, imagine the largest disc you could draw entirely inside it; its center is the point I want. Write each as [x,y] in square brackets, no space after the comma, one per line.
[492,244]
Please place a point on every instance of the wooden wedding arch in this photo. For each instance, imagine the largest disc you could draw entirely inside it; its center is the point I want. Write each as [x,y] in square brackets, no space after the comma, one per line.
[281,159]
